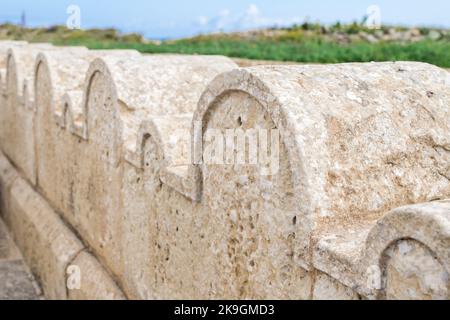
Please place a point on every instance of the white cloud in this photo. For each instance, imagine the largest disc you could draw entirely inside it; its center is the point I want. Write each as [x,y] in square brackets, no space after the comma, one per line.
[251,18]
[203,21]
[222,20]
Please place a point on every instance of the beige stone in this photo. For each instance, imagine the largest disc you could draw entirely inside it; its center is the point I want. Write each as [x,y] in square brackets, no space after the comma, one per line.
[48,246]
[327,288]
[94,282]
[18,108]
[115,145]
[8,176]
[410,245]
[355,146]
[46,243]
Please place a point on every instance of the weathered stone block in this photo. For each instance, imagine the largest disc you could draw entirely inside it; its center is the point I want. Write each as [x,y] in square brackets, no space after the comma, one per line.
[410,246]
[94,282]
[118,145]
[4,242]
[16,283]
[7,177]
[327,288]
[47,244]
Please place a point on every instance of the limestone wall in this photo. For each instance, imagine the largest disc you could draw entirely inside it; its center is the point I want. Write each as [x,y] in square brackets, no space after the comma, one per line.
[104,170]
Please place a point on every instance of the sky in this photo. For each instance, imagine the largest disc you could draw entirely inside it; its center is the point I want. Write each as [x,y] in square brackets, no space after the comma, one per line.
[176,18]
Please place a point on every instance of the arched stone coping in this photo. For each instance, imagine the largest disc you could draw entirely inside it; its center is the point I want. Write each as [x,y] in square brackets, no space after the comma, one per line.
[347,125]
[158,94]
[426,223]
[147,88]
[172,136]
[171,133]
[68,70]
[266,92]
[4,47]
[20,62]
[72,117]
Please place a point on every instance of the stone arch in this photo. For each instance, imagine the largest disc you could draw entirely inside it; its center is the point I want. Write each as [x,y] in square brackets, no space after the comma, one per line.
[105,113]
[412,271]
[142,186]
[243,80]
[97,158]
[58,78]
[71,117]
[12,77]
[11,103]
[19,113]
[64,118]
[251,228]
[420,231]
[135,154]
[43,124]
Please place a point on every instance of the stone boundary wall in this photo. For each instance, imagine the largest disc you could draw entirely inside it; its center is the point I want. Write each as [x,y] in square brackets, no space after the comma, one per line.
[103,173]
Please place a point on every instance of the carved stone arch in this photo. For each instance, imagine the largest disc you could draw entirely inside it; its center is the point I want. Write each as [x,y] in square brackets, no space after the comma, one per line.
[103,121]
[148,133]
[44,125]
[98,162]
[244,81]
[256,213]
[11,80]
[18,111]
[410,270]
[72,118]
[142,185]
[64,119]
[150,154]
[408,245]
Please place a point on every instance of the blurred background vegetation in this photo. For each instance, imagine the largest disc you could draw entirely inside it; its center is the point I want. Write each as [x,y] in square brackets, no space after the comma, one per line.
[307,43]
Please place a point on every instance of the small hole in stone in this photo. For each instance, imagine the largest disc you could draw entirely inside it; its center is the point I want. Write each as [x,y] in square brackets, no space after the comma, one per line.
[138,180]
[239,120]
[294,221]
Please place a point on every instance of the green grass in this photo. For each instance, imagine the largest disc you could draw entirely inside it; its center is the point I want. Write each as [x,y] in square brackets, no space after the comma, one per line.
[308,51]
[308,43]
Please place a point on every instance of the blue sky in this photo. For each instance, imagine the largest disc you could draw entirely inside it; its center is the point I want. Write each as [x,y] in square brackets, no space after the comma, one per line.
[176,18]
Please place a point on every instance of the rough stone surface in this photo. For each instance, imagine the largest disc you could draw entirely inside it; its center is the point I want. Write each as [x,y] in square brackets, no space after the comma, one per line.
[410,245]
[104,152]
[327,288]
[46,243]
[7,177]
[414,272]
[4,242]
[95,283]
[49,248]
[16,281]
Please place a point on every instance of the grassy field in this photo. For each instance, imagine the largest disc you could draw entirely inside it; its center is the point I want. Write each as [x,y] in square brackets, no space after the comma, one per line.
[309,51]
[298,44]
